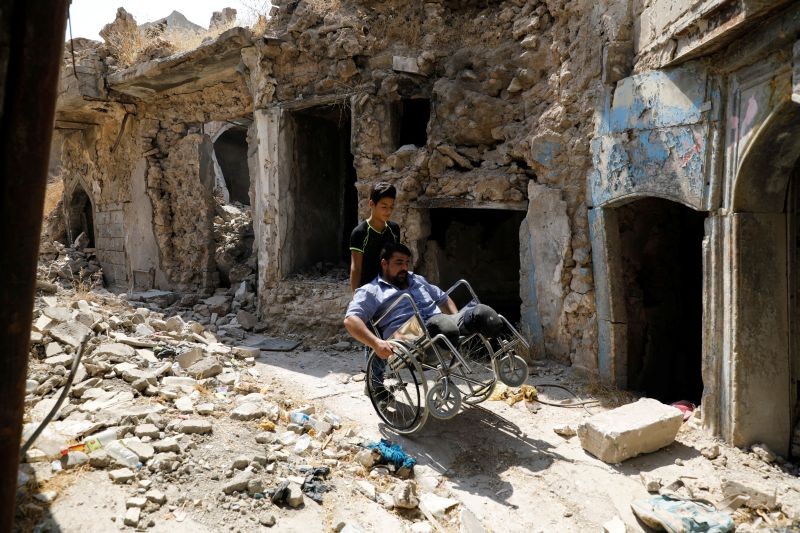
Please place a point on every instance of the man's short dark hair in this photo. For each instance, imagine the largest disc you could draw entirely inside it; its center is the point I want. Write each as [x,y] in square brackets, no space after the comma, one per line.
[380,190]
[394,247]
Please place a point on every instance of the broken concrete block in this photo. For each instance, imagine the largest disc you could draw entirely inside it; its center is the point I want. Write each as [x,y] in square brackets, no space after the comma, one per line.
[190,357]
[156,496]
[205,368]
[115,351]
[121,475]
[405,495]
[59,360]
[59,314]
[170,444]
[295,496]
[73,333]
[132,516]
[239,482]
[436,505]
[53,348]
[137,501]
[759,495]
[174,323]
[405,64]
[143,450]
[146,430]
[194,426]
[246,320]
[640,427]
[764,453]
[248,411]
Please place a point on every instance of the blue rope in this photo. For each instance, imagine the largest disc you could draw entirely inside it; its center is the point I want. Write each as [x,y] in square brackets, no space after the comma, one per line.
[393,453]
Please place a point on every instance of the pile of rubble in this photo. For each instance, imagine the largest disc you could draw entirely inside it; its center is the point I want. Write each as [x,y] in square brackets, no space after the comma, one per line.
[189,425]
[75,265]
[233,235]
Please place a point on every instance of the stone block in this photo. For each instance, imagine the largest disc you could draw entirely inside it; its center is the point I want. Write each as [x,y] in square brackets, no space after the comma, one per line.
[132,516]
[72,333]
[205,368]
[760,495]
[194,426]
[640,427]
[121,475]
[405,64]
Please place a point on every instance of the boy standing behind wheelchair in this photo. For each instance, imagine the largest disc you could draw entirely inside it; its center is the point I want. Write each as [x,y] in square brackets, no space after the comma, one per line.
[368,238]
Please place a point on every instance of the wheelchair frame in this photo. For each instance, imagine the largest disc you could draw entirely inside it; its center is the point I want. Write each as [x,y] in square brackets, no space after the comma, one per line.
[404,396]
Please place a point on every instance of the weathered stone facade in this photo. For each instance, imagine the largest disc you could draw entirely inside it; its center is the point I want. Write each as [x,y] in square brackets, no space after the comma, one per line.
[620,168]
[707,121]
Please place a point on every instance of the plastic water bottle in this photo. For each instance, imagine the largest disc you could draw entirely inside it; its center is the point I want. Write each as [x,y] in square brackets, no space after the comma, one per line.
[100,440]
[108,441]
[122,455]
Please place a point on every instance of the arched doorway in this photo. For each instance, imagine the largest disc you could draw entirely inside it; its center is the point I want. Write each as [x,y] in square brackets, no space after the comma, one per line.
[80,218]
[765,280]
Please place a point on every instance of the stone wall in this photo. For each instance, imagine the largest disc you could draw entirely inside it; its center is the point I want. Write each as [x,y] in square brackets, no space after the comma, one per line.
[512,88]
[460,105]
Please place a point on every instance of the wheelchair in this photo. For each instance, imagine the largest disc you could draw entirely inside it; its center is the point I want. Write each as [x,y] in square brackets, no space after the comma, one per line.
[430,376]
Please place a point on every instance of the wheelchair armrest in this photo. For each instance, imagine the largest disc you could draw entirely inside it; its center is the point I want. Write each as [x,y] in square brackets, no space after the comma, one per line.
[467,285]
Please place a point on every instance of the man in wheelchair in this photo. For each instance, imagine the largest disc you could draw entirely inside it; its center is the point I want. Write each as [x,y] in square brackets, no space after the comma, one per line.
[459,353]
[436,308]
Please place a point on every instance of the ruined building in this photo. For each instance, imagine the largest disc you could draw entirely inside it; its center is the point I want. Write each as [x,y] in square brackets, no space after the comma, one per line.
[615,176]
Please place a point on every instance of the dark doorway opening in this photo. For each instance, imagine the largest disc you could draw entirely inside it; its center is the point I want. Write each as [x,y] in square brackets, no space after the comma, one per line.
[322,190]
[231,151]
[481,246]
[663,277]
[411,118]
[80,218]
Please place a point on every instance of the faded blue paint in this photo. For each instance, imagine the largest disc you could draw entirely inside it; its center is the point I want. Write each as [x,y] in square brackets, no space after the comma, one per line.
[657,99]
[668,163]
[654,151]
[543,152]
[653,137]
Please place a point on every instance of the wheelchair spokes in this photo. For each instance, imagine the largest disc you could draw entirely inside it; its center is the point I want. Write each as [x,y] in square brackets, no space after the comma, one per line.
[398,391]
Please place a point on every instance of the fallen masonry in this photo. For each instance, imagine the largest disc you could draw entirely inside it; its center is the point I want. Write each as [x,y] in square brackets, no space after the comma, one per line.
[142,409]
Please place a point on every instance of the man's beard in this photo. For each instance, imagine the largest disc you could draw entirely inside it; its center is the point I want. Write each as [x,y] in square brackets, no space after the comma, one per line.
[400,280]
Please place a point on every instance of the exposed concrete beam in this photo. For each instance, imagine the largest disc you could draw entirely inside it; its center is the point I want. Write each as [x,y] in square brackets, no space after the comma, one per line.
[205,64]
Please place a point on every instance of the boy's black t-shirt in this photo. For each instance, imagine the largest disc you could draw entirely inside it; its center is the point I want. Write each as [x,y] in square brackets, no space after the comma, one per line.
[369,242]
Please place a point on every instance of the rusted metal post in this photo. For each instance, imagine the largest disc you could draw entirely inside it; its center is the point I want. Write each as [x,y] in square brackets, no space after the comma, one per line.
[31,43]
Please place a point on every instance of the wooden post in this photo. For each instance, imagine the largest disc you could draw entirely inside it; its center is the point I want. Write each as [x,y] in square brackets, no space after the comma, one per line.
[31,44]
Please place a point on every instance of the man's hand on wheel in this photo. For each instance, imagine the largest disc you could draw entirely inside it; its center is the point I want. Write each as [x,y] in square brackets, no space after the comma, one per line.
[383,349]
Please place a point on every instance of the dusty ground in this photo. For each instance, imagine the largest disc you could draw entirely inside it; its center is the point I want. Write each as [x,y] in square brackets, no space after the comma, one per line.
[504,464]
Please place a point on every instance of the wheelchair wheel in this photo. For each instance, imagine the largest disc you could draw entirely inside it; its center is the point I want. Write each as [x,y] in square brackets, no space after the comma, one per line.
[397,390]
[512,370]
[477,385]
[443,402]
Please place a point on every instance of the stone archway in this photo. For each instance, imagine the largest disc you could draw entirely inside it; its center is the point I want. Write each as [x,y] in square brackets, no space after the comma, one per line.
[80,216]
[763,272]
